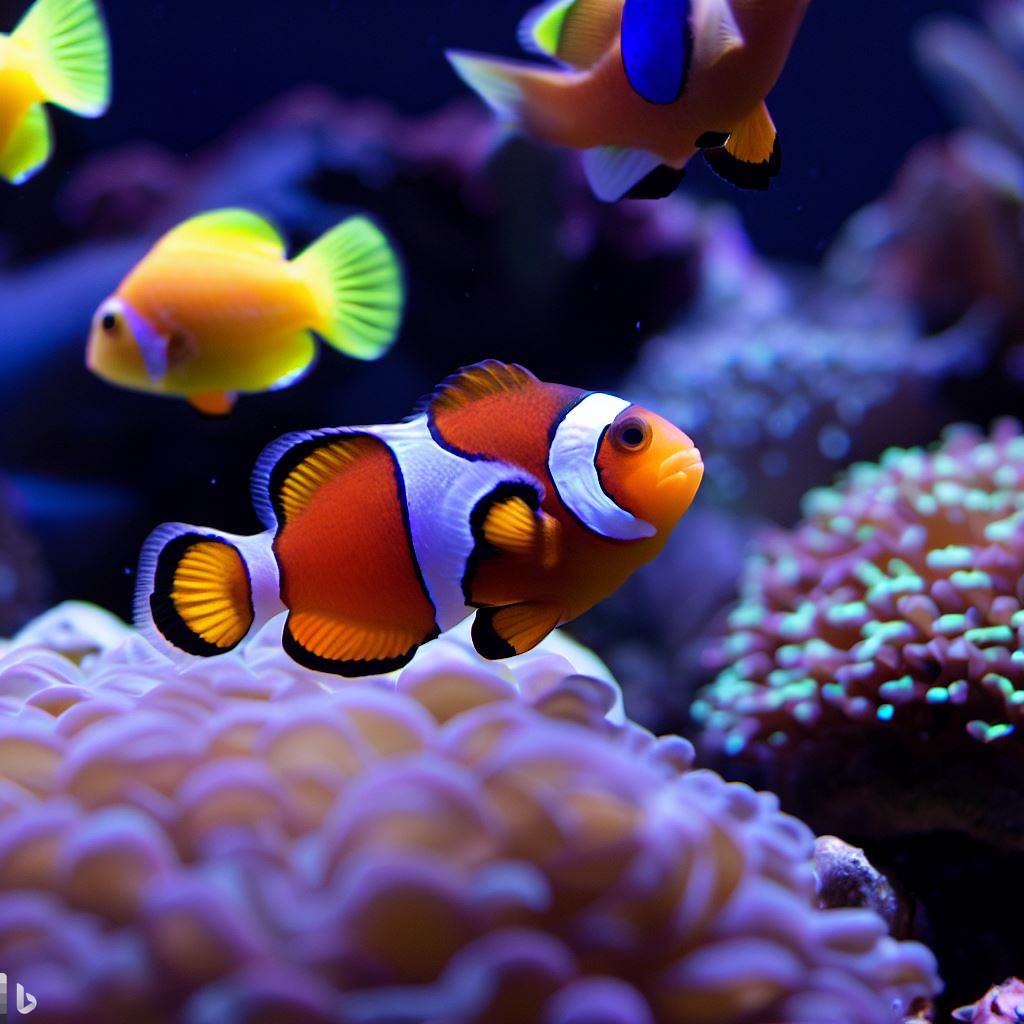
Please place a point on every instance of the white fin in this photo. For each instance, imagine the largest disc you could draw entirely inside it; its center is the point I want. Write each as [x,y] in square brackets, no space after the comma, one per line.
[28,147]
[719,24]
[494,81]
[612,171]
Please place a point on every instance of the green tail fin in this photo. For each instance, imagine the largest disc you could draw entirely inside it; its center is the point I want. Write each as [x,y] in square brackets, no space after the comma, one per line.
[28,148]
[357,276]
[70,53]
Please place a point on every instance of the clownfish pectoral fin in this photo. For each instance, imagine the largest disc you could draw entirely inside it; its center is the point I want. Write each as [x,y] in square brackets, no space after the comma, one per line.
[357,278]
[576,32]
[513,536]
[616,173]
[751,157]
[513,526]
[322,643]
[515,629]
[68,54]
[657,44]
[195,590]
[28,148]
[213,403]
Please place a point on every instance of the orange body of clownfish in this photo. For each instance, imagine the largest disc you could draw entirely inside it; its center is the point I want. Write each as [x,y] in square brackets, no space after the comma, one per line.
[216,309]
[645,84]
[58,54]
[522,502]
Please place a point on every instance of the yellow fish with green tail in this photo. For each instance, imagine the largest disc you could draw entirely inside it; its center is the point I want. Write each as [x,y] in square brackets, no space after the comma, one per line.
[216,308]
[58,54]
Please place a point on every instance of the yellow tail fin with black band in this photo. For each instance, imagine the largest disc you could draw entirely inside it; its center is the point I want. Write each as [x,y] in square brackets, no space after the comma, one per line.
[195,590]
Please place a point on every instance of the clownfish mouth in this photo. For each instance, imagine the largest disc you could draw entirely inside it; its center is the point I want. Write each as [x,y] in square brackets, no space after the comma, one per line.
[684,466]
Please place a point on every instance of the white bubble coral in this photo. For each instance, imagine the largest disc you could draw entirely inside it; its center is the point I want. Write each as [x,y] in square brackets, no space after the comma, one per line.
[462,843]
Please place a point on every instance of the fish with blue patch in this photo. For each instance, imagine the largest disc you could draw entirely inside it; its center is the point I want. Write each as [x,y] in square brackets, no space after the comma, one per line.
[642,86]
[217,309]
[522,502]
[58,54]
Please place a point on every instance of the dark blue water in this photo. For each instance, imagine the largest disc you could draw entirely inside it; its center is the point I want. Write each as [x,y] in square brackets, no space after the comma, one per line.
[849,106]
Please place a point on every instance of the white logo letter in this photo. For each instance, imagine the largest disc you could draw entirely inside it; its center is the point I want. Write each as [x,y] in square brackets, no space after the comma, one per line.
[26,1001]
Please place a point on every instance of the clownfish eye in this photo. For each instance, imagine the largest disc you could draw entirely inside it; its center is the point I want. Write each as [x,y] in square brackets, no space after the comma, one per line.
[109,322]
[631,435]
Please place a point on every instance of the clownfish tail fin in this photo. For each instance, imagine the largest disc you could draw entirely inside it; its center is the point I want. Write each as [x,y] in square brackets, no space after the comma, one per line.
[67,52]
[357,279]
[196,589]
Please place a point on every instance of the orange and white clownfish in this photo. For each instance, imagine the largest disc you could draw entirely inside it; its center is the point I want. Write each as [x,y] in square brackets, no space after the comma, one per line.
[645,84]
[522,501]
[216,308]
[57,54]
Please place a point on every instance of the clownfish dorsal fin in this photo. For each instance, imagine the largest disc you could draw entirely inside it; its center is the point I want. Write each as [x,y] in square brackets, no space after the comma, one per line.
[576,32]
[515,629]
[292,470]
[751,157]
[241,229]
[473,383]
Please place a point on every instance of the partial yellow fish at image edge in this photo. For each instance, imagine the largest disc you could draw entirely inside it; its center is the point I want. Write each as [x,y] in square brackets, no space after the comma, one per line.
[59,53]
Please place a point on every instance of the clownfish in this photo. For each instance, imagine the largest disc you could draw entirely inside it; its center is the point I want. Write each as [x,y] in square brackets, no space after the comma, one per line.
[217,308]
[58,54]
[523,502]
[646,84]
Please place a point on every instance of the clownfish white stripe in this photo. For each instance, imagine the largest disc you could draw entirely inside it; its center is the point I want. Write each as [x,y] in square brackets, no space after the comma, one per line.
[442,489]
[572,462]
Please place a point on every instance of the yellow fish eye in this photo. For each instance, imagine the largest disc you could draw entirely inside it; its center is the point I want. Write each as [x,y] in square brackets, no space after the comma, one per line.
[109,322]
[631,435]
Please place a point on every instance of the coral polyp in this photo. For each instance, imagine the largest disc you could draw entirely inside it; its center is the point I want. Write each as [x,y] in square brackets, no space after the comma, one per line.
[896,604]
[459,843]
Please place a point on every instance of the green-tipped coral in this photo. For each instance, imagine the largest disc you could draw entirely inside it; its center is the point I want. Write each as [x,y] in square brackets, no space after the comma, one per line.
[892,614]
[874,676]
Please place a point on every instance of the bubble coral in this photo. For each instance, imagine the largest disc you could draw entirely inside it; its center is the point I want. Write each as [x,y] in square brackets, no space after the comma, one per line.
[236,842]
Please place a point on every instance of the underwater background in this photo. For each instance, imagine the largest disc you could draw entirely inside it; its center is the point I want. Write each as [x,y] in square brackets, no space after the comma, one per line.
[838,620]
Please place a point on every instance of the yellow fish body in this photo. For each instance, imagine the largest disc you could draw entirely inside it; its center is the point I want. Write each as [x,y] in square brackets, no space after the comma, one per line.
[216,308]
[58,54]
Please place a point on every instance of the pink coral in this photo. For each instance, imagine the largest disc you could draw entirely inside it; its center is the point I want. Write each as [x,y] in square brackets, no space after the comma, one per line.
[467,843]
